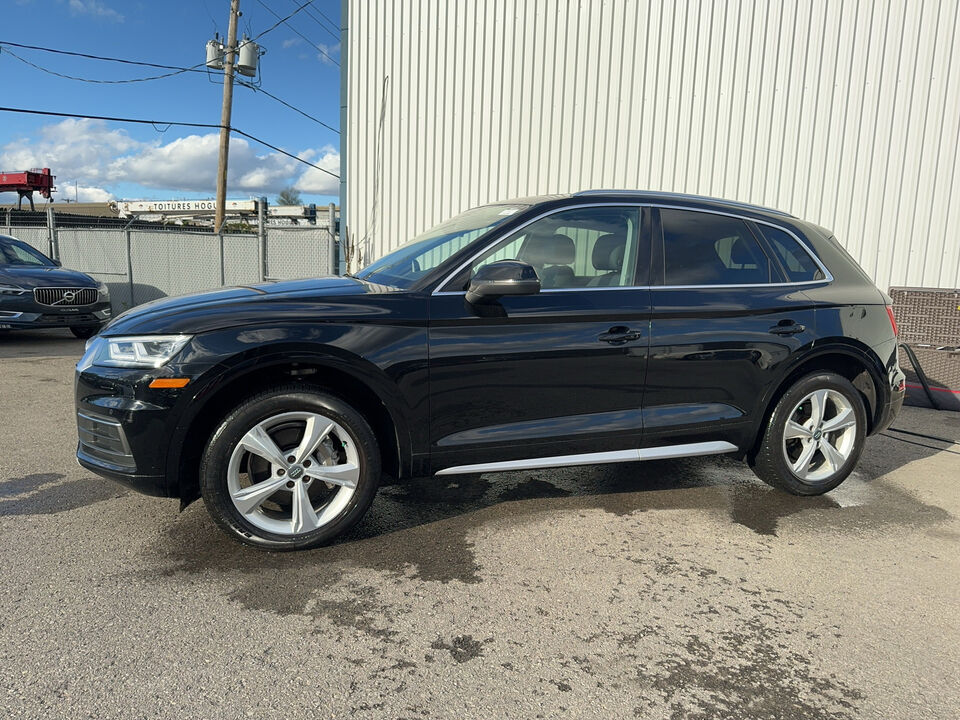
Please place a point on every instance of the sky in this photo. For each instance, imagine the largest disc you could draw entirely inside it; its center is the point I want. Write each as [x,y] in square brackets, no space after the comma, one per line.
[96,160]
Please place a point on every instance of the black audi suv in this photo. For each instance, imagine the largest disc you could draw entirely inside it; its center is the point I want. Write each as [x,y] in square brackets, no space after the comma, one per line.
[35,292]
[600,327]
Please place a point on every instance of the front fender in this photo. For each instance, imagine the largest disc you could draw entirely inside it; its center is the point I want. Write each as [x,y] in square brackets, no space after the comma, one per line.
[389,361]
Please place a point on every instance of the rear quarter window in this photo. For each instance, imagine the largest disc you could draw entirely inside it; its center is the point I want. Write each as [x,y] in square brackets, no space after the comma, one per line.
[797,262]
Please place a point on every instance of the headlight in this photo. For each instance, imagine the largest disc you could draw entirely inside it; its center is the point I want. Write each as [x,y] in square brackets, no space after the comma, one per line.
[146,351]
[11,290]
[103,290]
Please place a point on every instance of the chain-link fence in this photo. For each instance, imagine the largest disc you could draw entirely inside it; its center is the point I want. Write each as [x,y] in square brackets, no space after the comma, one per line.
[140,264]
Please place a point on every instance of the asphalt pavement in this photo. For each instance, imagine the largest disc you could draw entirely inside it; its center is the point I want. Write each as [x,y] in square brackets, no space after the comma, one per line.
[671,589]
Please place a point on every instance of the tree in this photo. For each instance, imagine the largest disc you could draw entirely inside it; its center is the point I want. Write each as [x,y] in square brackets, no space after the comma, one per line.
[289,196]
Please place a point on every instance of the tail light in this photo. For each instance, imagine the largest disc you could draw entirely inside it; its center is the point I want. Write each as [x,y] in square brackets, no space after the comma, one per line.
[893,321]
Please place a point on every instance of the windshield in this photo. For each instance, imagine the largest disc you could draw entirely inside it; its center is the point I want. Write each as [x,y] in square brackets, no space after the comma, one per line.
[14,252]
[414,259]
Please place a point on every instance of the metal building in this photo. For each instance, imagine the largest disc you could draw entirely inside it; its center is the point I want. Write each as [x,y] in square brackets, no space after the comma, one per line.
[843,112]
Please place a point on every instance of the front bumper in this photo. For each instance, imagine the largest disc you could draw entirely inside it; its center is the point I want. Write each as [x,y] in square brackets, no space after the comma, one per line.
[38,316]
[125,427]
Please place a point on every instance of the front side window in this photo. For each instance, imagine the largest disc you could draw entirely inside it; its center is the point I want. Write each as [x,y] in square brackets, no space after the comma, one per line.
[17,253]
[579,248]
[708,249]
[414,259]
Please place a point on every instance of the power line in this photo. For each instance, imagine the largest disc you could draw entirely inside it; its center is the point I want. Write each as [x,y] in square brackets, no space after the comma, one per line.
[285,103]
[335,33]
[194,69]
[92,80]
[284,20]
[281,20]
[140,121]
[325,16]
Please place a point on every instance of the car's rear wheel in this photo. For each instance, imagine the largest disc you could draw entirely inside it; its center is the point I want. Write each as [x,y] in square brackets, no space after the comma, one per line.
[85,332]
[814,437]
[291,468]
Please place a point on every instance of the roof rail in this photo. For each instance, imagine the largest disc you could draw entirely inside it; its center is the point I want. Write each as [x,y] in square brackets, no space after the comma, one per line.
[681,196]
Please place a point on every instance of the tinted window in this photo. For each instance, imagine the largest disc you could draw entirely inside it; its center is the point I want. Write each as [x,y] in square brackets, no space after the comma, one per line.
[14,252]
[796,261]
[707,249]
[578,248]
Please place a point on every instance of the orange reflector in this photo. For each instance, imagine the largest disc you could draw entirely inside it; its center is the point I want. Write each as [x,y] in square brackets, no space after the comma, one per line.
[169,382]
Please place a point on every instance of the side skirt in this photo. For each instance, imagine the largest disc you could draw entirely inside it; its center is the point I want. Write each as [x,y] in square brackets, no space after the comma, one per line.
[663,452]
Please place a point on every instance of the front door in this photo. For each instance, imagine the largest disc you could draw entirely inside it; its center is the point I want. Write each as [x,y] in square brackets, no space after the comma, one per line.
[557,373]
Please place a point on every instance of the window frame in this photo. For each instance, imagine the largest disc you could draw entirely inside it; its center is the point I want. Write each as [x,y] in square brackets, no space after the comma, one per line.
[652,229]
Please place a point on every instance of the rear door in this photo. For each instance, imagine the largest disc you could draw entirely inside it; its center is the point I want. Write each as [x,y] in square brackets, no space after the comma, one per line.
[725,321]
[552,374]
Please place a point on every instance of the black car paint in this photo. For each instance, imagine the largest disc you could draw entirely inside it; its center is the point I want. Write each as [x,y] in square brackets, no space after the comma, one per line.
[29,277]
[539,377]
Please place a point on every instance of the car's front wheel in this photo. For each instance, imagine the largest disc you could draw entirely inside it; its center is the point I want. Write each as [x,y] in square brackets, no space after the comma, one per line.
[290,468]
[814,437]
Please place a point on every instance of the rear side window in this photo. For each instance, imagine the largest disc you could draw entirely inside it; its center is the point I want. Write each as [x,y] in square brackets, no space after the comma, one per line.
[708,249]
[796,261]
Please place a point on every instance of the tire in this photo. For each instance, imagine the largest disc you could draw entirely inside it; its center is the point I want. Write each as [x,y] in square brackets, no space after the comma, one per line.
[84,332]
[306,508]
[803,455]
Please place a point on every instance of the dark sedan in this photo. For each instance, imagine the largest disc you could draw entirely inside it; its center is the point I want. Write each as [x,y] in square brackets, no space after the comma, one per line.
[568,330]
[35,292]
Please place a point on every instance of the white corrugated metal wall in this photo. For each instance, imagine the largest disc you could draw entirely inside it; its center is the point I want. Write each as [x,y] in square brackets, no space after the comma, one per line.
[846,113]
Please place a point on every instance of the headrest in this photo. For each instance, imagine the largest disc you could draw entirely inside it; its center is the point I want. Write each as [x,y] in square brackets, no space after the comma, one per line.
[552,249]
[740,253]
[608,252]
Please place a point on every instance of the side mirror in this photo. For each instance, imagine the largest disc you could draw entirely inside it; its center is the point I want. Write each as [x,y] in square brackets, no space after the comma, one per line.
[505,277]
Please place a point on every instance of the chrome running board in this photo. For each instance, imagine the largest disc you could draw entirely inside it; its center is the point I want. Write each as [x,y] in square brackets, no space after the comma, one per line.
[663,452]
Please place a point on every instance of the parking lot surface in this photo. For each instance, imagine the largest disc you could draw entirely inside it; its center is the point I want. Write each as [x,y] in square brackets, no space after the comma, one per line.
[673,589]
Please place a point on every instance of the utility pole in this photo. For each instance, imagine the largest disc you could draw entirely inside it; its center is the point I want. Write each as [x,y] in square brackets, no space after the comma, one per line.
[230,56]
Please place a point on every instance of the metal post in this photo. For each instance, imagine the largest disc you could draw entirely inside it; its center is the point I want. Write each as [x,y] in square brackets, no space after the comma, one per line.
[130,266]
[332,251]
[52,234]
[223,271]
[262,237]
[10,219]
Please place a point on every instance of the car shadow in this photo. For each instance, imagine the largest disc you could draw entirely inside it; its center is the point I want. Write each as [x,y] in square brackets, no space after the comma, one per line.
[54,342]
[426,528]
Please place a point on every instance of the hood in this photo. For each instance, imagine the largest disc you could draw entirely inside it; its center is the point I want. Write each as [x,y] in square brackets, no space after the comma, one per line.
[244,304]
[29,277]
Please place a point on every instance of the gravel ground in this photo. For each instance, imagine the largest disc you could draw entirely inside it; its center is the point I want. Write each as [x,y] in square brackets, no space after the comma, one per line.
[673,589]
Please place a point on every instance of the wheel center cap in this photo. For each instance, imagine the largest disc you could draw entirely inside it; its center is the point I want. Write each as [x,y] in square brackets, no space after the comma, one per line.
[295,472]
[816,436]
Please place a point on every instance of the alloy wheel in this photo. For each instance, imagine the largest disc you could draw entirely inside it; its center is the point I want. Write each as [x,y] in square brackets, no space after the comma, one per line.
[293,473]
[820,435]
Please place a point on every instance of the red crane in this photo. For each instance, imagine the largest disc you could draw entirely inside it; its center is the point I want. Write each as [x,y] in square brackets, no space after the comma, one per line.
[26,182]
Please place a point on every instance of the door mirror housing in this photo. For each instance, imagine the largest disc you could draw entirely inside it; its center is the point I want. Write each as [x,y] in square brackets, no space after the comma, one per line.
[505,277]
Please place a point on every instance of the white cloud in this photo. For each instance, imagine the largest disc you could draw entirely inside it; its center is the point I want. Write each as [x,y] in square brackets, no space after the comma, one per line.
[84,193]
[97,8]
[332,52]
[315,181]
[89,152]
[291,42]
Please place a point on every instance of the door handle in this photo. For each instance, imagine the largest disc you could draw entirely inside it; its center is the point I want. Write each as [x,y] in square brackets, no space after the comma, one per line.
[787,327]
[619,335]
